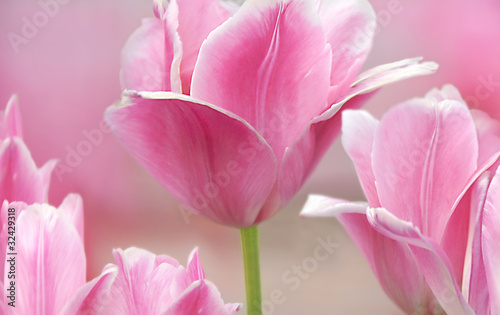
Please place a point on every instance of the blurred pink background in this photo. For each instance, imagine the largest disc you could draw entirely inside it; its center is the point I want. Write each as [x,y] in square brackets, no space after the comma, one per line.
[66,72]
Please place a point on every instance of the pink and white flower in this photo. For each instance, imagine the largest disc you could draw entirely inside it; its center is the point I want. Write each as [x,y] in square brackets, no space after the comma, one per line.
[417,167]
[49,266]
[265,99]
[150,284]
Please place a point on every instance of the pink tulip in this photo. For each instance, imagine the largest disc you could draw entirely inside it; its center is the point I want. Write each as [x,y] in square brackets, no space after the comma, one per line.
[266,92]
[416,167]
[20,179]
[49,264]
[149,284]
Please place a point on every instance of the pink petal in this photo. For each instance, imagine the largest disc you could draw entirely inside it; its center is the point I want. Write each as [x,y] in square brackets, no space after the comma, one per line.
[143,284]
[50,261]
[151,57]
[475,277]
[10,120]
[276,78]
[358,129]
[455,237]
[490,244]
[423,156]
[20,179]
[349,27]
[380,76]
[93,297]
[129,294]
[392,262]
[430,257]
[213,162]
[201,298]
[162,290]
[194,267]
[72,208]
[197,18]
[301,158]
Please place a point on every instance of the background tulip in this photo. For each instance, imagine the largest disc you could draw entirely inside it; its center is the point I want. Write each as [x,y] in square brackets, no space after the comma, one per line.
[149,284]
[49,260]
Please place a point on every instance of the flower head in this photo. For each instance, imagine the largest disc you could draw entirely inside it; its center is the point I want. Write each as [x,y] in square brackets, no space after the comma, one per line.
[265,99]
[418,167]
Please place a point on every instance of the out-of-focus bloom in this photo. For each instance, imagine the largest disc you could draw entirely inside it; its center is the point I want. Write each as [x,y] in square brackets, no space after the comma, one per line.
[149,284]
[416,167]
[42,259]
[161,54]
[20,179]
[266,93]
[46,275]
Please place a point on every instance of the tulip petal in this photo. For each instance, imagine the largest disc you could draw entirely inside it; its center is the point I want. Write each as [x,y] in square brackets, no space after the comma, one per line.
[201,298]
[145,284]
[213,162]
[50,261]
[93,297]
[349,27]
[276,78]
[358,129]
[433,155]
[431,259]
[20,179]
[129,294]
[72,208]
[197,18]
[10,120]
[455,237]
[490,245]
[475,278]
[194,267]
[388,259]
[152,55]
[302,157]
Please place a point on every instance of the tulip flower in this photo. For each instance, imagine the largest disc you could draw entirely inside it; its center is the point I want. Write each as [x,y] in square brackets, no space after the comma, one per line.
[266,93]
[416,167]
[149,284]
[20,179]
[45,265]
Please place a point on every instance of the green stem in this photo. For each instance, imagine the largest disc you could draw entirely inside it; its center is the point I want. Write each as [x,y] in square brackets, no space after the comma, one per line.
[250,247]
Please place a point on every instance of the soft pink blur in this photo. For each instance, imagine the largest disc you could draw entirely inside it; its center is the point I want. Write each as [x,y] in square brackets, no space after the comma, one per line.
[68,74]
